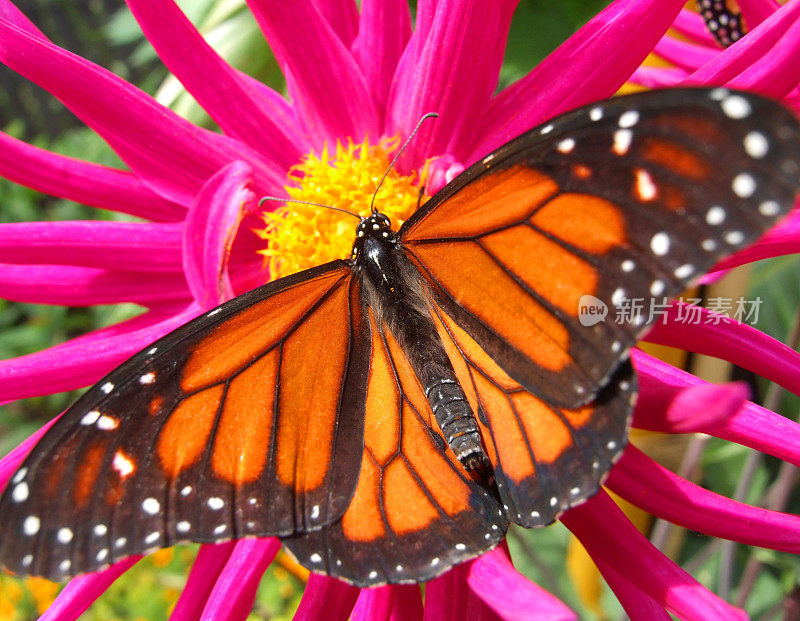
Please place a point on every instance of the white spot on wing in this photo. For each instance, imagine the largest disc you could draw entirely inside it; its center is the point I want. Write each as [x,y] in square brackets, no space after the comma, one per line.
[107,387]
[547,129]
[216,503]
[64,535]
[657,288]
[186,490]
[645,186]
[566,145]
[122,464]
[100,529]
[756,145]
[151,506]
[90,418]
[147,378]
[102,555]
[715,215]
[152,537]
[736,107]
[107,423]
[622,141]
[769,208]
[659,244]
[65,565]
[315,558]
[596,113]
[629,119]
[183,526]
[20,492]
[684,271]
[21,473]
[31,525]
[734,238]
[744,185]
[27,560]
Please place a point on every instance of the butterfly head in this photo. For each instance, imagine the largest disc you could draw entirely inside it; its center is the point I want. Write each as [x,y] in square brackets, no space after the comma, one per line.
[375,227]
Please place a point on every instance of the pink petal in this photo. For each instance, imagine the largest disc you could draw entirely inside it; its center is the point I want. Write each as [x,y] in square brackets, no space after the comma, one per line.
[648,485]
[12,14]
[110,245]
[211,227]
[81,592]
[682,408]
[383,33]
[69,285]
[84,360]
[450,75]
[449,597]
[730,340]
[342,15]
[609,536]
[684,54]
[638,604]
[693,26]
[176,158]
[395,602]
[206,569]
[511,595]
[658,77]
[756,11]
[326,598]
[590,65]
[751,426]
[83,182]
[763,60]
[235,590]
[215,85]
[780,240]
[324,80]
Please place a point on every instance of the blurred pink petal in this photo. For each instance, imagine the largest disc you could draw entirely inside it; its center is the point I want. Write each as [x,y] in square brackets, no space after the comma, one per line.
[393,602]
[233,594]
[81,592]
[207,567]
[450,598]
[693,26]
[326,598]
[683,54]
[519,598]
[99,244]
[11,462]
[638,604]
[756,11]
[592,58]
[323,78]
[729,340]
[83,182]
[212,82]
[210,228]
[609,536]
[650,486]
[659,77]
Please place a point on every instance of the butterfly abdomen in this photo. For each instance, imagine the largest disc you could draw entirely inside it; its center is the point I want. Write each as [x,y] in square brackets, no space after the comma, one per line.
[394,292]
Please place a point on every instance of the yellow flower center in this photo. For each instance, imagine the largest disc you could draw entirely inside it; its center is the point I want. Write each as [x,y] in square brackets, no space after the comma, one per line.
[301,236]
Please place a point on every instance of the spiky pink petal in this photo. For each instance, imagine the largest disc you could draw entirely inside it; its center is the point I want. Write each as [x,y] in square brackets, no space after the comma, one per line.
[81,592]
[234,592]
[100,244]
[609,536]
[718,336]
[650,486]
[210,228]
[752,426]
[323,78]
[207,567]
[684,54]
[215,85]
[693,26]
[170,154]
[449,597]
[85,360]
[342,15]
[638,604]
[395,602]
[326,598]
[756,11]
[519,598]
[447,73]
[84,286]
[83,182]
[384,30]
[592,58]
[681,408]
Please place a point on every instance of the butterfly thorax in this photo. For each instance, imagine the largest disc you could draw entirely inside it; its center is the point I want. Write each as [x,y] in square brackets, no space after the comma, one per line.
[396,295]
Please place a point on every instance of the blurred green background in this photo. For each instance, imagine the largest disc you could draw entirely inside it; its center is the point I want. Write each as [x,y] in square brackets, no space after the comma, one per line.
[105,32]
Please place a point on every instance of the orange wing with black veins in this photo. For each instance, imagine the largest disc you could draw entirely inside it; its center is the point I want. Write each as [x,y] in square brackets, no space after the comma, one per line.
[415,512]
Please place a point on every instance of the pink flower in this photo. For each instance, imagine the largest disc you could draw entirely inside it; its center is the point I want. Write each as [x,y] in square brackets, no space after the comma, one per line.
[366,74]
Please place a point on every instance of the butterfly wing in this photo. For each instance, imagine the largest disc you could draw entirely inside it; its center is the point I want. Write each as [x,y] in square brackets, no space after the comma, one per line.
[415,512]
[545,459]
[246,421]
[627,199]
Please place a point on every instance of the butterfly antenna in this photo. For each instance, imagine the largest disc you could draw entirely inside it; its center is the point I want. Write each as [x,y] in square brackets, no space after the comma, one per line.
[291,200]
[425,117]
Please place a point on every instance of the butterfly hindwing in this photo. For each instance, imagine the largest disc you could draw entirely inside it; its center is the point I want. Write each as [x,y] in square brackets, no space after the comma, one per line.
[246,421]
[545,459]
[415,512]
[631,198]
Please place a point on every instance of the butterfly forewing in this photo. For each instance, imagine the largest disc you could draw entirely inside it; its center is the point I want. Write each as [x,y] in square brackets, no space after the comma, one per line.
[243,422]
[629,199]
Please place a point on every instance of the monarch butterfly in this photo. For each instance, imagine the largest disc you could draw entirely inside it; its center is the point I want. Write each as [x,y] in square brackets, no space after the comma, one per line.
[389,414]
[723,21]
